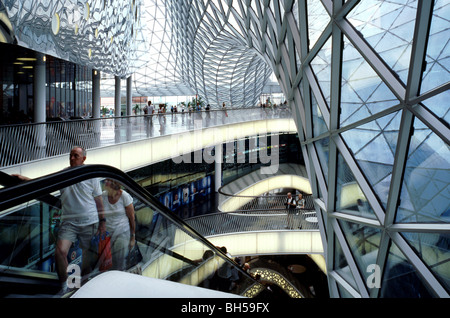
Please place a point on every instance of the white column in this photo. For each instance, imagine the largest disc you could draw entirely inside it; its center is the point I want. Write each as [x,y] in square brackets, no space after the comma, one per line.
[39,89]
[96,107]
[39,105]
[129,96]
[129,102]
[117,107]
[96,99]
[218,167]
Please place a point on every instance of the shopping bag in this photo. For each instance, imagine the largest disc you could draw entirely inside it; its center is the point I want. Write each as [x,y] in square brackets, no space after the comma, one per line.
[101,244]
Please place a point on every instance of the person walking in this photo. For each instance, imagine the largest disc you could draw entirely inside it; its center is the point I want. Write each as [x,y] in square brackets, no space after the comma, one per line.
[290,206]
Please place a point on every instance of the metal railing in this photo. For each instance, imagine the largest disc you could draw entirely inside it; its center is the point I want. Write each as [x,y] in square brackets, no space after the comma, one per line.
[263,213]
[236,222]
[258,203]
[28,142]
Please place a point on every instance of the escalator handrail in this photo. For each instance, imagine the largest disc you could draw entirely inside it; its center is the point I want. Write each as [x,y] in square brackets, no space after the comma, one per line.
[40,187]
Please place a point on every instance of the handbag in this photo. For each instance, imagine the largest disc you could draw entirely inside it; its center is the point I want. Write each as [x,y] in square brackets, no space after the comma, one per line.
[133,257]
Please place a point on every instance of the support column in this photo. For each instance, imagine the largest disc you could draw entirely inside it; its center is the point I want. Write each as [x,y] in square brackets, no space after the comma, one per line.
[117,109]
[96,100]
[39,105]
[129,96]
[96,107]
[218,167]
[128,105]
[117,106]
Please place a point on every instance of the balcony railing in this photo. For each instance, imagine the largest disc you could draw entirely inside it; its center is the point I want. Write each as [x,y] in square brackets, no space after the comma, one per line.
[263,213]
[27,142]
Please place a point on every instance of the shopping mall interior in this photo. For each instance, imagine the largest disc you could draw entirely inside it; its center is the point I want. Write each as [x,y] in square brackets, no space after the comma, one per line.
[262,149]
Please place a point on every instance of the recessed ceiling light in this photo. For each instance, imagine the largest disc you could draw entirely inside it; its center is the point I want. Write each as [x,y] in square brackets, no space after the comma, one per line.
[26,59]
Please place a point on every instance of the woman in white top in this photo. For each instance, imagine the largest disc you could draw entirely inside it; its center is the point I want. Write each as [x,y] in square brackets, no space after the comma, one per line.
[300,201]
[120,222]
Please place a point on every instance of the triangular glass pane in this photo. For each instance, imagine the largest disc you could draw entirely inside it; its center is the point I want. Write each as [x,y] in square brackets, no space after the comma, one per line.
[438,49]
[434,250]
[389,28]
[349,197]
[439,105]
[373,146]
[363,93]
[400,279]
[321,66]
[318,19]
[425,195]
[341,265]
[364,242]
[322,148]
[319,125]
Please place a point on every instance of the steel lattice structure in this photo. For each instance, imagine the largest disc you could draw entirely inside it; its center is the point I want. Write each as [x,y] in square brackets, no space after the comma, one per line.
[368,83]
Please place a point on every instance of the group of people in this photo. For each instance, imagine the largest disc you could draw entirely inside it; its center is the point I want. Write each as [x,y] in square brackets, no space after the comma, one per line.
[87,211]
[226,277]
[292,204]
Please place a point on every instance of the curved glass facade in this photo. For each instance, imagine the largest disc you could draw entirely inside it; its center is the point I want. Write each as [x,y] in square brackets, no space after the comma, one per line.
[368,83]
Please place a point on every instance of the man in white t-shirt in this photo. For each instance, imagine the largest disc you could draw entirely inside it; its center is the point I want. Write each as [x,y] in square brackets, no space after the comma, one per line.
[82,217]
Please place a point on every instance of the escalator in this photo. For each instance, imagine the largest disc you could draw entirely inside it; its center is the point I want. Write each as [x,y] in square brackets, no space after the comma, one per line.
[170,250]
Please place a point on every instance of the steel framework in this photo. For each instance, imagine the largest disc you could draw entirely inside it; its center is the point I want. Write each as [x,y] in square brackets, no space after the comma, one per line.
[368,84]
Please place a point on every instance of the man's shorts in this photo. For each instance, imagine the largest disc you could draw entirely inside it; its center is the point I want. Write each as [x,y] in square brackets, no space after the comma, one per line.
[71,232]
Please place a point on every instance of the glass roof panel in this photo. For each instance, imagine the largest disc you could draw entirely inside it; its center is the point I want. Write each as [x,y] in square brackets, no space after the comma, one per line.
[363,91]
[389,28]
[438,50]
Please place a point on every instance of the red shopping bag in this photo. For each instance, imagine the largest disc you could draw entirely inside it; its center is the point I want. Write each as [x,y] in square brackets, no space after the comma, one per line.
[104,253]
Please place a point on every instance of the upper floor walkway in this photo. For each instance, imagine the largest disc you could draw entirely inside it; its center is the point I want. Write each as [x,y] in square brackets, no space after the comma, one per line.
[132,142]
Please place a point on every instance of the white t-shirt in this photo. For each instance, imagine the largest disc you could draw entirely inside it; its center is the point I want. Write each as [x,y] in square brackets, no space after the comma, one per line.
[78,204]
[116,218]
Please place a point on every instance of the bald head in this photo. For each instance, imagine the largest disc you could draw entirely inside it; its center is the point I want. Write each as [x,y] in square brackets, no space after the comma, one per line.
[77,156]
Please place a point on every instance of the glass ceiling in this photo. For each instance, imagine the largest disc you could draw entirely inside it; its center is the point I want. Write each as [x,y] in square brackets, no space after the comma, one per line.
[368,82]
[196,49]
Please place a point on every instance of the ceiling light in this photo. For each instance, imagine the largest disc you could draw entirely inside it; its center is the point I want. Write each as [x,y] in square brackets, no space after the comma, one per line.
[26,59]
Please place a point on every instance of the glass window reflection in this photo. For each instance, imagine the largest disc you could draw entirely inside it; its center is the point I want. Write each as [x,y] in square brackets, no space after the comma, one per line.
[349,197]
[434,250]
[400,279]
[426,185]
[364,242]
